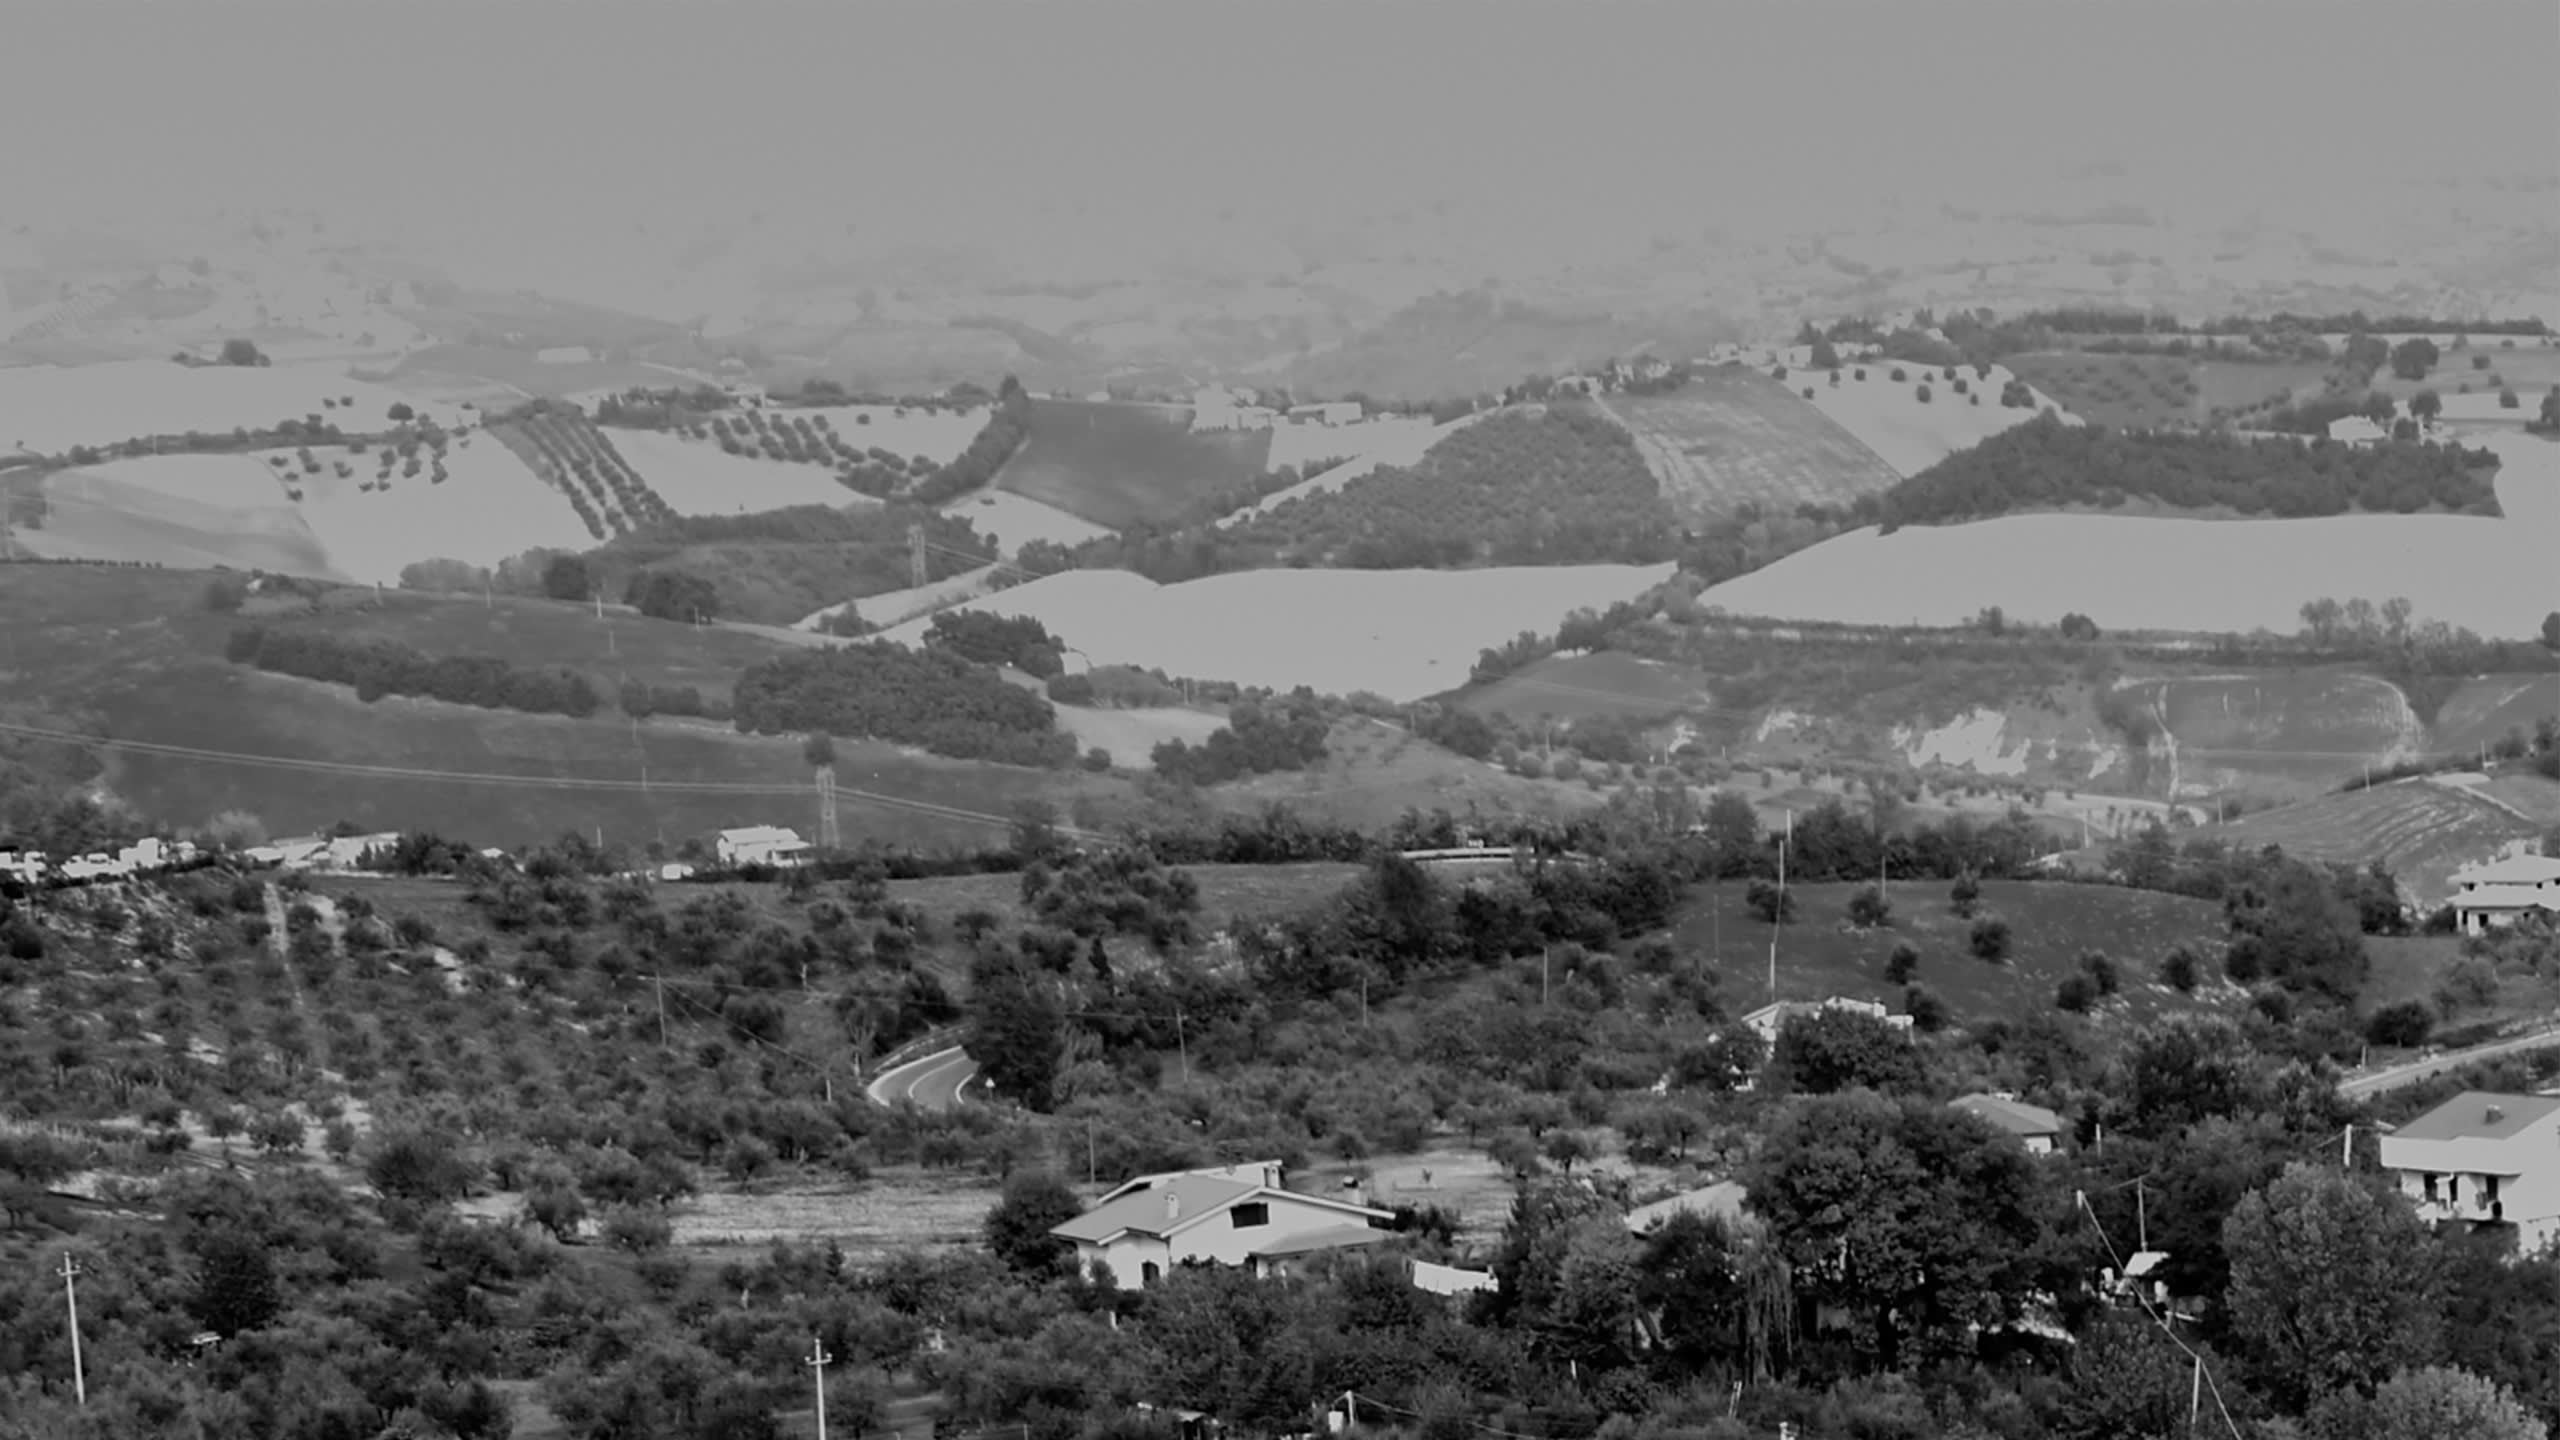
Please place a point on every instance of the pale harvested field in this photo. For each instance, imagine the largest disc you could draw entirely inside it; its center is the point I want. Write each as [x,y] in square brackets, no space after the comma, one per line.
[103,514]
[1132,735]
[1017,520]
[897,605]
[937,435]
[1891,421]
[1403,634]
[2494,576]
[489,507]
[1383,434]
[699,478]
[49,409]
[1403,446]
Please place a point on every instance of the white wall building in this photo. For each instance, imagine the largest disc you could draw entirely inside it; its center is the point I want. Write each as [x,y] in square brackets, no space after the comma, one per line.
[761,845]
[2484,1159]
[1769,1019]
[2499,893]
[1230,1215]
[2037,1128]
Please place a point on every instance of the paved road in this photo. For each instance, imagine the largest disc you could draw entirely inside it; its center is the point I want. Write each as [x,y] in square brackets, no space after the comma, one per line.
[2415,1071]
[933,1081]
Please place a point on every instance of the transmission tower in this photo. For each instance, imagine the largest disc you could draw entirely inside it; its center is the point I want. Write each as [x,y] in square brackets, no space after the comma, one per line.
[828,838]
[915,556]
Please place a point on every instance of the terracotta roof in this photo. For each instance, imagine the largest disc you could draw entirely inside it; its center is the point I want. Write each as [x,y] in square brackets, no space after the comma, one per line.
[2507,897]
[1339,1237]
[2015,1116]
[2466,1117]
[1144,1211]
[2514,870]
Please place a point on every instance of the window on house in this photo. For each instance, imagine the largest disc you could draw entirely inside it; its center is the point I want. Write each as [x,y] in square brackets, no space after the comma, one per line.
[1250,1216]
[2431,1189]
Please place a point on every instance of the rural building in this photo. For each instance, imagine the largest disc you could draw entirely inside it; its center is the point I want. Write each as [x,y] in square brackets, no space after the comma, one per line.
[761,845]
[1578,385]
[2483,1159]
[1722,1200]
[1468,863]
[2356,430]
[1331,412]
[1231,1215]
[563,355]
[2496,894]
[1766,1021]
[2037,1128]
[1450,1280]
[26,866]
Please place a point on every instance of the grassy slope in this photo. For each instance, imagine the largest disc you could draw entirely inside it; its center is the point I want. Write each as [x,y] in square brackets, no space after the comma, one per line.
[1123,465]
[1820,954]
[1570,687]
[2149,390]
[2422,830]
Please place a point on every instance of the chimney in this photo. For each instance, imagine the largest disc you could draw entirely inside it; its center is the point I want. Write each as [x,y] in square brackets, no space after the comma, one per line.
[1172,1205]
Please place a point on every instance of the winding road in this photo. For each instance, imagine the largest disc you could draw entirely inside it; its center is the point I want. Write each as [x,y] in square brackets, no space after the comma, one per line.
[933,1081]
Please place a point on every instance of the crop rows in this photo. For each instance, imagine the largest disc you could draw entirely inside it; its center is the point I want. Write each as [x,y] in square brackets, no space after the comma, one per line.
[575,458]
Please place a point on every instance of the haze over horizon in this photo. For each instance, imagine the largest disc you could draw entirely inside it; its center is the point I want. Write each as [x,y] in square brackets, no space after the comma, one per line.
[543,139]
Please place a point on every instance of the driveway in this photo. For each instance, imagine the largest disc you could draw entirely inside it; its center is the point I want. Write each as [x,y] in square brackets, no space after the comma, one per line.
[933,1081]
[2397,1076]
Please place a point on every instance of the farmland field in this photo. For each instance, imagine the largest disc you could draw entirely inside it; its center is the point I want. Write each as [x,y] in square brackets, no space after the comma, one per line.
[1571,687]
[939,435]
[2492,576]
[1017,520]
[2422,831]
[1405,445]
[1122,465]
[1403,634]
[1379,435]
[2311,728]
[1374,772]
[205,510]
[700,479]
[1733,437]
[2532,368]
[2144,391]
[1820,954]
[48,409]
[1227,892]
[1889,418]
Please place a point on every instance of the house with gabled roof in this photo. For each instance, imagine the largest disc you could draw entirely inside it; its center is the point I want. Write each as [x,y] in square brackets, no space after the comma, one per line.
[2503,891]
[1227,1215]
[2484,1159]
[2037,1128]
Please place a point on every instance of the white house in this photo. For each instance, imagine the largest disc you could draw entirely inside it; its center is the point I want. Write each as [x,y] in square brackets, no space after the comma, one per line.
[2037,1128]
[1450,1280]
[2356,430]
[26,866]
[1232,1215]
[1769,1019]
[2484,1159]
[2497,893]
[762,845]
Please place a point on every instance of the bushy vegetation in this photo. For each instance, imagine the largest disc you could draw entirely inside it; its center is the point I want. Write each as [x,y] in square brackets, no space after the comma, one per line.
[1560,487]
[2045,463]
[1008,425]
[931,698]
[986,638]
[376,668]
[1285,733]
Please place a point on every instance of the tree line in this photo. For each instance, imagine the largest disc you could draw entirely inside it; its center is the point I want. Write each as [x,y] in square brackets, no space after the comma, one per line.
[1285,733]
[1008,425]
[932,698]
[376,668]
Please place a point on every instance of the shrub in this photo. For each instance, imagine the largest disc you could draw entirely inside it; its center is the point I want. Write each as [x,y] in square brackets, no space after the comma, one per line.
[1097,760]
[1990,939]
[1869,908]
[2405,1023]
[1902,964]
[2180,970]
[1922,394]
[2076,994]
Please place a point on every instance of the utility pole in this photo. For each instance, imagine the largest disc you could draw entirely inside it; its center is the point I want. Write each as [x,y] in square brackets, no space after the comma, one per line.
[71,1298]
[915,556]
[1184,1044]
[1092,1172]
[1781,922]
[659,982]
[817,1362]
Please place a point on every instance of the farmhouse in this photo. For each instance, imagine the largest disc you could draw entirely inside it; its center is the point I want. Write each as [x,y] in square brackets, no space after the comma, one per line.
[1766,1021]
[2356,430]
[23,865]
[1232,1215]
[1331,412]
[2497,894]
[761,845]
[2484,1159]
[2037,1128]
[1578,385]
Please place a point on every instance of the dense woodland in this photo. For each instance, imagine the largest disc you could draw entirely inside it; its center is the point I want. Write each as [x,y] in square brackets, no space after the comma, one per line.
[775,567]
[1260,736]
[986,638]
[1556,487]
[1891,1248]
[376,668]
[928,697]
[2046,463]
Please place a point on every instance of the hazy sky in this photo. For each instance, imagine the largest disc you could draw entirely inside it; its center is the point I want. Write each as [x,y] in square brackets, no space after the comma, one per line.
[551,114]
